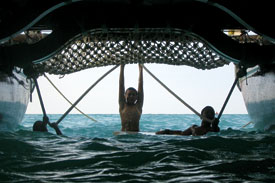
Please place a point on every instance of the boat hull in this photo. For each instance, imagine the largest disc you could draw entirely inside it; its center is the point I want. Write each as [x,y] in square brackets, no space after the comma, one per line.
[14,97]
[259,96]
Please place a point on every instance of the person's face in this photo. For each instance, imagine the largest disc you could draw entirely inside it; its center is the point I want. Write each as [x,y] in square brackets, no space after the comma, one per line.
[131,97]
[208,114]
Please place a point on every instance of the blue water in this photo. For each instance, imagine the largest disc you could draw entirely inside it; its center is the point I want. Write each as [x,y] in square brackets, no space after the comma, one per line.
[90,152]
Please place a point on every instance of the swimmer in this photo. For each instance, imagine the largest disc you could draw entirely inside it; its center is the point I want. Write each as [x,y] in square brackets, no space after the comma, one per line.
[196,130]
[41,126]
[130,102]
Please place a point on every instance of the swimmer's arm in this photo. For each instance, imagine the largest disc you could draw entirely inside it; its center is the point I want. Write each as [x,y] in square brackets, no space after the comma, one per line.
[56,128]
[164,132]
[121,98]
[215,126]
[170,132]
[140,87]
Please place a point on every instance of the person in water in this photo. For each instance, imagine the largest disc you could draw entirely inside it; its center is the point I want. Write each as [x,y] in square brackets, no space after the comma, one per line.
[41,126]
[130,102]
[196,130]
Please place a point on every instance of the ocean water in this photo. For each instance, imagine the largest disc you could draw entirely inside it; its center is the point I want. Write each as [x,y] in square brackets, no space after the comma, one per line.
[91,152]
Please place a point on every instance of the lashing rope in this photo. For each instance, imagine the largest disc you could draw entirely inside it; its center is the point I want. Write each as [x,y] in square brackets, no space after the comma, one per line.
[175,95]
[250,122]
[239,74]
[83,95]
[67,99]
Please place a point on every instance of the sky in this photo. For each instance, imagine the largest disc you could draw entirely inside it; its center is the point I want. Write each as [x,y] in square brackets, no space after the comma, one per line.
[198,88]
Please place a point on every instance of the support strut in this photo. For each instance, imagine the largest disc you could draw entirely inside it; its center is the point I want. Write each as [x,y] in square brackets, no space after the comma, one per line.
[240,73]
[175,95]
[83,95]
[40,125]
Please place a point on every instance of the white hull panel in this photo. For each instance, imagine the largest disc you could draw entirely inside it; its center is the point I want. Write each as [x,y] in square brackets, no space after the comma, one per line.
[259,97]
[14,98]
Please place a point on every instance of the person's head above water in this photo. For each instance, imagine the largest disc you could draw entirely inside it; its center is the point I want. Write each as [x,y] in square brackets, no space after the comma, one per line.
[131,96]
[40,126]
[209,113]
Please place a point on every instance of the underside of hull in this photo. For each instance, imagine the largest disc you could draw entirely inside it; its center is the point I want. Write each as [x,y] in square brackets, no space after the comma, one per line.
[92,33]
[259,96]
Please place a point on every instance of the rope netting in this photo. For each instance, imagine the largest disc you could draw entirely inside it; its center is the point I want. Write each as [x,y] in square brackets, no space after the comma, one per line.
[115,46]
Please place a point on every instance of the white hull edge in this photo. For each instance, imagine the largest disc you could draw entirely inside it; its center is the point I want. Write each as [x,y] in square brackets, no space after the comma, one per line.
[14,98]
[259,97]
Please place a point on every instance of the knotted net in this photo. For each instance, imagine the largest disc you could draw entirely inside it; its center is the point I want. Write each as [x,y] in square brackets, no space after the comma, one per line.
[102,47]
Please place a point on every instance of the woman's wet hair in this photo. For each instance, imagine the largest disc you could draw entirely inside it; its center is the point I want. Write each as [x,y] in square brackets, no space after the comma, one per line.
[209,112]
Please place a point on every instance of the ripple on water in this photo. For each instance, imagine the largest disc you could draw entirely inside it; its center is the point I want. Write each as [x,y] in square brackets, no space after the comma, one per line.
[95,154]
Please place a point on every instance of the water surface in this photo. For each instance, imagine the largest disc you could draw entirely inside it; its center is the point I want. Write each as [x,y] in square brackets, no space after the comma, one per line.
[90,152]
